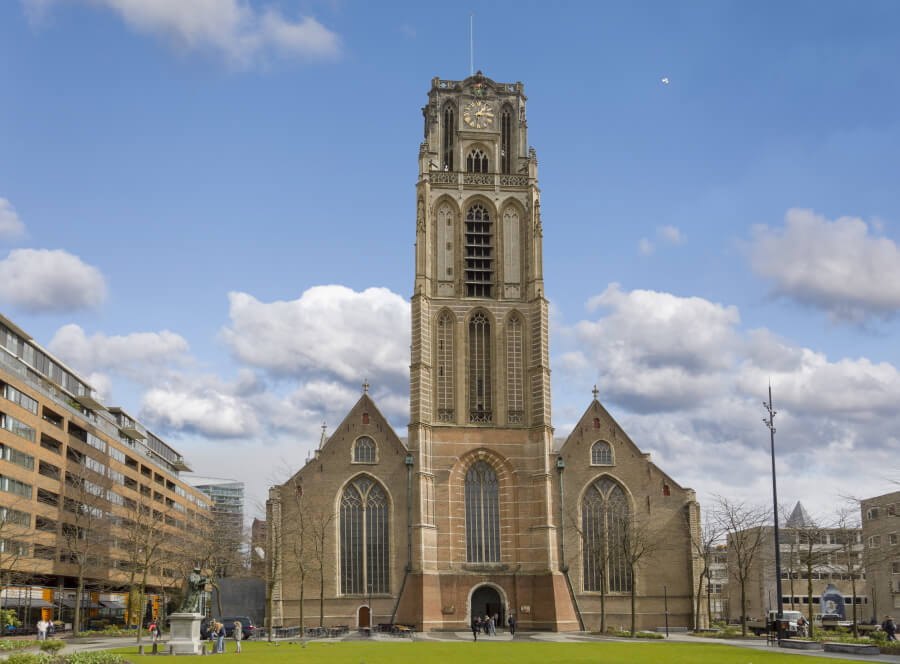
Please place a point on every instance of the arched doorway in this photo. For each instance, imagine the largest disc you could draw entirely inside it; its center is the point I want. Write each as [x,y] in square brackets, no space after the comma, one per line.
[486,601]
[363,618]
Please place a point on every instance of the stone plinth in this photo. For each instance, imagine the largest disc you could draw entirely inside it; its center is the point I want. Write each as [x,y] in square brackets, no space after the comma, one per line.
[184,635]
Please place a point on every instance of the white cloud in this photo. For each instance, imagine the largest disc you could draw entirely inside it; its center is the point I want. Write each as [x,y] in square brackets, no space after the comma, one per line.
[645,247]
[330,330]
[837,266]
[138,355]
[10,224]
[43,280]
[201,409]
[670,234]
[232,28]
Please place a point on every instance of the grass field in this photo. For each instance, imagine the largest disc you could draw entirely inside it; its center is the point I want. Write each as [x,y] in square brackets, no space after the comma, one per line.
[608,652]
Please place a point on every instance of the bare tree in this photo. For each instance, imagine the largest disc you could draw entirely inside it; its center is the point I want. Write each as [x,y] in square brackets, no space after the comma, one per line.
[638,543]
[811,556]
[301,543]
[16,533]
[86,536]
[846,535]
[595,553]
[703,542]
[742,524]
[319,527]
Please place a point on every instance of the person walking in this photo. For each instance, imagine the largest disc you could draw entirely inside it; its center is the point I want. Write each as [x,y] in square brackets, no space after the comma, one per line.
[492,630]
[238,635]
[890,628]
[220,638]
[42,626]
[511,622]
[476,627]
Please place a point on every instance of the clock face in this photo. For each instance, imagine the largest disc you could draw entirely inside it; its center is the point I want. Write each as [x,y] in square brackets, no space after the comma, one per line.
[478,114]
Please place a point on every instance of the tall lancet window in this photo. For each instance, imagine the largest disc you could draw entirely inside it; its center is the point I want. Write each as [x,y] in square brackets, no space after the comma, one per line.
[479,252]
[365,548]
[605,524]
[448,132]
[505,140]
[480,388]
[482,514]
[514,372]
[444,382]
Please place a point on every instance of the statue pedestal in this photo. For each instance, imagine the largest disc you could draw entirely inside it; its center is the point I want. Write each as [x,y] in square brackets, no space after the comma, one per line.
[184,638]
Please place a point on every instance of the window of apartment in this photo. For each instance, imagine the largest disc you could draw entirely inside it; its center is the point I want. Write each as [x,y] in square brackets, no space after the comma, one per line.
[875,541]
[159,479]
[13,455]
[872,513]
[52,417]
[13,425]
[10,485]
[115,476]
[95,442]
[49,443]
[170,485]
[47,497]
[131,463]
[13,547]
[146,471]
[895,568]
[48,470]
[11,516]
[114,498]
[157,496]
[892,538]
[77,432]
[130,483]
[17,397]
[130,503]
[116,454]
[44,524]
[96,466]
[145,490]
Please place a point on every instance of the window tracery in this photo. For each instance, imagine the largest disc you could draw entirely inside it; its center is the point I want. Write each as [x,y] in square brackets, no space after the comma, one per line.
[364,534]
[482,514]
[605,515]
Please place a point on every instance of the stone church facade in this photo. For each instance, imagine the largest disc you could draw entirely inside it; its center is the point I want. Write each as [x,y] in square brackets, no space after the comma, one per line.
[478,512]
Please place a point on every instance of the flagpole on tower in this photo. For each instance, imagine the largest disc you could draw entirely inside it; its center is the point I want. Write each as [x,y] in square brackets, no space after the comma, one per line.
[471,44]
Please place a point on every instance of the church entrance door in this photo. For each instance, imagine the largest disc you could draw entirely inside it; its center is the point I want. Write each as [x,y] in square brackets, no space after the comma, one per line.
[486,602]
[364,617]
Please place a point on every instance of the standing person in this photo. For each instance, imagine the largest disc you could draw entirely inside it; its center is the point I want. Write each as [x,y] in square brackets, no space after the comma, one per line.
[42,629]
[511,621]
[238,635]
[492,630]
[51,628]
[220,638]
[153,631]
[476,627]
[890,628]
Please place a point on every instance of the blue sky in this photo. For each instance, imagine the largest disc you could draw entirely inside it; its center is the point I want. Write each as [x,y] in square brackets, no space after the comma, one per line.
[209,208]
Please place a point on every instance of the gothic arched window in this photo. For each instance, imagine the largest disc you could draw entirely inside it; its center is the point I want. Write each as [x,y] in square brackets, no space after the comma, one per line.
[444,382]
[506,147]
[365,548]
[480,388]
[482,514]
[448,131]
[601,454]
[477,161]
[364,450]
[605,524]
[479,252]
[515,387]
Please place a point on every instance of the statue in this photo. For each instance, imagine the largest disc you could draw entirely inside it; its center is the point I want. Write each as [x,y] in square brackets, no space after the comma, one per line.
[195,584]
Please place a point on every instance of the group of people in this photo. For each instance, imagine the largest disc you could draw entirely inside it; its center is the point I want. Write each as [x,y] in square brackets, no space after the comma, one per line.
[217,635]
[488,625]
[45,628]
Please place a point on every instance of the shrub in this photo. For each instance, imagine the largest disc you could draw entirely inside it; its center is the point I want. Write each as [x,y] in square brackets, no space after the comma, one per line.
[52,646]
[95,657]
[10,644]
[30,658]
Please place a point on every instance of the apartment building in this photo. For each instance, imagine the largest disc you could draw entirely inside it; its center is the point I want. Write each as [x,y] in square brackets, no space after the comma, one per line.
[80,484]
[881,533]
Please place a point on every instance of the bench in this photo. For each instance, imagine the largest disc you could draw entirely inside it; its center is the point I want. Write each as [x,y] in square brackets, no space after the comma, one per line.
[852,648]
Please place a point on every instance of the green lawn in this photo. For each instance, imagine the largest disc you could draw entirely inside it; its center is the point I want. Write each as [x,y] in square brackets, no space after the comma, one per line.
[609,652]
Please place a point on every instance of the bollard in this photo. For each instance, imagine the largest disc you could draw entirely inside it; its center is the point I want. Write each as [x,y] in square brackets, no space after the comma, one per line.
[140,650]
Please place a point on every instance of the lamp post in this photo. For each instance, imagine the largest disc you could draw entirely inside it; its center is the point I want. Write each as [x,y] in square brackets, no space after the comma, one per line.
[770,423]
[560,467]
[410,460]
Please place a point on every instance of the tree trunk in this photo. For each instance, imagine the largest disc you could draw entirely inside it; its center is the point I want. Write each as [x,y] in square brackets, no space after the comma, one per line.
[603,605]
[302,596]
[633,630]
[809,598]
[79,596]
[322,598]
[743,607]
[699,599]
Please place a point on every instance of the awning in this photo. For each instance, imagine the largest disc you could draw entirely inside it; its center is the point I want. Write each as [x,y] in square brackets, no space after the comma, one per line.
[85,604]
[110,604]
[18,602]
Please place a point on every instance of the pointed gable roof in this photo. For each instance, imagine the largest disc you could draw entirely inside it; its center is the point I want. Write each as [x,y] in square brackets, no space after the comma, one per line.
[799,518]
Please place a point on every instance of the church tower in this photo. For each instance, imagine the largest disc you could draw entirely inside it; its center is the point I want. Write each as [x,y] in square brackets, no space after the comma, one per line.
[484,536]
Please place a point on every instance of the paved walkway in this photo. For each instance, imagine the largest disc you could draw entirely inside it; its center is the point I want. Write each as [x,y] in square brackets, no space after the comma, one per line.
[103,643]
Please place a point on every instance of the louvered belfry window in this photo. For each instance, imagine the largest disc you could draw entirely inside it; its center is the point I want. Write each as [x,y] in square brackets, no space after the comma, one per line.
[480,387]
[479,252]
[445,361]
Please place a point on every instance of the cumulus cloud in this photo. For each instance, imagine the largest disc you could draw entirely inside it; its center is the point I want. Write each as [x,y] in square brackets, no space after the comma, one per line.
[138,355]
[838,266]
[10,224]
[330,330]
[233,28]
[664,234]
[201,409]
[43,280]
[656,350]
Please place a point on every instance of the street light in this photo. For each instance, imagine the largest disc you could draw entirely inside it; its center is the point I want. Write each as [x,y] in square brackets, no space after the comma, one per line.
[770,423]
[560,467]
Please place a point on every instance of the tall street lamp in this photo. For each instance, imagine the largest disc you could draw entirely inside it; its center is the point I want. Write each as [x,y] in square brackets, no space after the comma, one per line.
[770,423]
